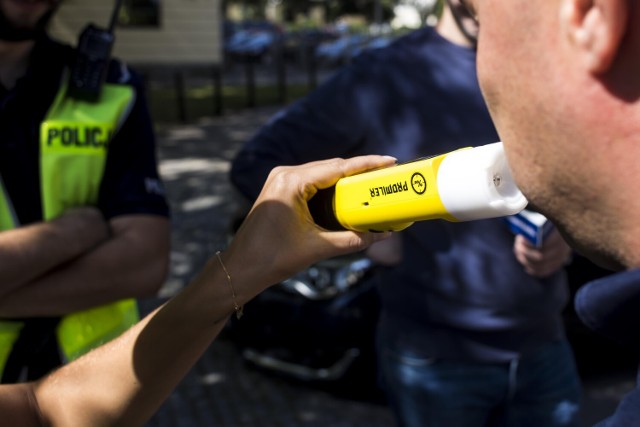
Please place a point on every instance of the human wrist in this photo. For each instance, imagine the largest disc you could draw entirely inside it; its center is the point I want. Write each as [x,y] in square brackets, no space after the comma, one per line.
[236,306]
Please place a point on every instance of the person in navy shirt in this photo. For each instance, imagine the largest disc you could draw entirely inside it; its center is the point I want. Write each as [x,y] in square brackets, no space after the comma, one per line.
[470,333]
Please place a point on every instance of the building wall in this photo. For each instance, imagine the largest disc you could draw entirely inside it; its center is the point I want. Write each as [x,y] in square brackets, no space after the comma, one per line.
[190,31]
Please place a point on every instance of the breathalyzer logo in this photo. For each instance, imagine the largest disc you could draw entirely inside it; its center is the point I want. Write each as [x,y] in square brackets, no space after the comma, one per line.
[418,183]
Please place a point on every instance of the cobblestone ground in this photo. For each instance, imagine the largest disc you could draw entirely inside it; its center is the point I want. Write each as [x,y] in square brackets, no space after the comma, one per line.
[221,390]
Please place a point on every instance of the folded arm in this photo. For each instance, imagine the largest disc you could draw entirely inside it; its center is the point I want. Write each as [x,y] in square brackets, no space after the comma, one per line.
[31,251]
[83,266]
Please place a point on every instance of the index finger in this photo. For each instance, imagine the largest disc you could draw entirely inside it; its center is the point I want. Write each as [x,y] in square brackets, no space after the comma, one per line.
[325,173]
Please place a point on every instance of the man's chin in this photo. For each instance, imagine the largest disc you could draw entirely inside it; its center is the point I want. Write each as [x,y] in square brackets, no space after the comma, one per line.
[601,259]
[597,255]
[13,29]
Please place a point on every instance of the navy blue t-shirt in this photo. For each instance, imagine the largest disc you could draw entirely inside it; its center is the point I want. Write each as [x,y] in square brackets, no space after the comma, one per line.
[459,292]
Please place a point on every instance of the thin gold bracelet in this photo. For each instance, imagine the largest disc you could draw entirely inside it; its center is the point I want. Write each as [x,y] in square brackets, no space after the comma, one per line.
[238,308]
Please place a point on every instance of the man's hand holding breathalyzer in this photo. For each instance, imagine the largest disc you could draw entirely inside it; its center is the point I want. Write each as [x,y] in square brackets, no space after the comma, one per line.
[545,260]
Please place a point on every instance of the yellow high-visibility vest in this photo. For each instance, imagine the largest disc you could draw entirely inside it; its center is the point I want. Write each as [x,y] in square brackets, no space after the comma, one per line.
[74,141]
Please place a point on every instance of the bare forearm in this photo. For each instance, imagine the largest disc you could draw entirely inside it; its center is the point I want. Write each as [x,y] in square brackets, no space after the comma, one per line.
[128,388]
[29,252]
[132,263]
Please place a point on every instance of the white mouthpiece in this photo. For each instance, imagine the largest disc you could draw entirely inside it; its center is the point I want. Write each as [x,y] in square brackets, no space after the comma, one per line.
[477,184]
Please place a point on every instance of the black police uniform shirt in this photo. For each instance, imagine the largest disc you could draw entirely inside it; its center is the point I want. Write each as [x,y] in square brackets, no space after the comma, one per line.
[130,184]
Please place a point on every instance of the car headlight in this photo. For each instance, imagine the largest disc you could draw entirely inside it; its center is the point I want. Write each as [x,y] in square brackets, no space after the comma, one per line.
[329,278]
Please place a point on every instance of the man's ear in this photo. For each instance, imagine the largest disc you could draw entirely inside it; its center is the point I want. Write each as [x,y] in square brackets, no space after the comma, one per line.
[596,29]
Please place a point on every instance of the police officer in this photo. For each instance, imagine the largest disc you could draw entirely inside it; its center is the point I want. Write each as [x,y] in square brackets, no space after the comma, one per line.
[83,219]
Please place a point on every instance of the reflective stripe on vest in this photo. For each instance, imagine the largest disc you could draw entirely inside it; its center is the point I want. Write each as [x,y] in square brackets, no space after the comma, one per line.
[8,218]
[74,140]
[9,331]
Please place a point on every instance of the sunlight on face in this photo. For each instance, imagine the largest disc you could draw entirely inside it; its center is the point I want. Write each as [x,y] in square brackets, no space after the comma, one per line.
[533,93]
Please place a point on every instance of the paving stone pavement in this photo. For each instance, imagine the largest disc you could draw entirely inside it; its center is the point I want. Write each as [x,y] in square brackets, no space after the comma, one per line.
[221,390]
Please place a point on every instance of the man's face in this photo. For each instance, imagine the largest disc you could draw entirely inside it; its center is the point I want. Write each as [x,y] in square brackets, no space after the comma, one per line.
[539,100]
[514,73]
[25,14]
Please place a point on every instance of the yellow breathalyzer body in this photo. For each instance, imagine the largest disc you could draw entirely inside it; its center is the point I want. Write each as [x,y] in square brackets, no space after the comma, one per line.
[463,185]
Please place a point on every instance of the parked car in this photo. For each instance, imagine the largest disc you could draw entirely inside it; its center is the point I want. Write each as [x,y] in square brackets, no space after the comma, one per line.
[252,39]
[371,43]
[338,51]
[317,327]
[345,48]
[297,44]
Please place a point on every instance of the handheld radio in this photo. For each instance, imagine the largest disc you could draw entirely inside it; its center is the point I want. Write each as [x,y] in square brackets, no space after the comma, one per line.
[92,59]
[463,185]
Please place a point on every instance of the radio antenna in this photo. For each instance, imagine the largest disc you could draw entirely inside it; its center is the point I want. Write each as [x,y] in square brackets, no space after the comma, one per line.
[114,16]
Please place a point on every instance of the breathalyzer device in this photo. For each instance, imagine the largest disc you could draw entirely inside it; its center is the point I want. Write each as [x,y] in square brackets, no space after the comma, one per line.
[463,185]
